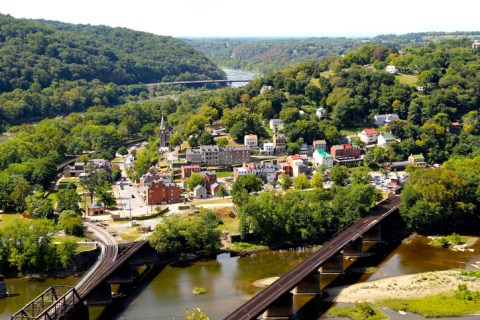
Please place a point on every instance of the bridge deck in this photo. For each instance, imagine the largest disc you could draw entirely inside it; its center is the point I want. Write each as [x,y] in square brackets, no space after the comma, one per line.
[262,300]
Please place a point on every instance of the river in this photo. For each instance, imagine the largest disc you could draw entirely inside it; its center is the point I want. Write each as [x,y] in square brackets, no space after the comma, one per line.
[229,280]
[235,74]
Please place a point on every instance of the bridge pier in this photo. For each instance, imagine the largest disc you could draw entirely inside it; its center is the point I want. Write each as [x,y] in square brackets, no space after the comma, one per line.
[333,265]
[123,275]
[101,295]
[354,249]
[309,285]
[374,234]
[282,308]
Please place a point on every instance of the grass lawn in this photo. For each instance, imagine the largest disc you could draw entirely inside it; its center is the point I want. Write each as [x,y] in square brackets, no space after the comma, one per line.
[63,237]
[224,174]
[69,180]
[442,305]
[408,79]
[7,220]
[216,201]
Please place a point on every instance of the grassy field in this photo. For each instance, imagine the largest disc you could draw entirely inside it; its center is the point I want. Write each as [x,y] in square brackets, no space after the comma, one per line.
[356,313]
[224,174]
[408,79]
[7,220]
[443,305]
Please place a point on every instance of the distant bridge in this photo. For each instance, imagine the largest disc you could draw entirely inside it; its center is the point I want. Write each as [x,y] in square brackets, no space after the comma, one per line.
[198,82]
[276,300]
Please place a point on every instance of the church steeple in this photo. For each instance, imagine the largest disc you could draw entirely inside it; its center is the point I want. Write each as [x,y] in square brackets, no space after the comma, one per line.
[162,124]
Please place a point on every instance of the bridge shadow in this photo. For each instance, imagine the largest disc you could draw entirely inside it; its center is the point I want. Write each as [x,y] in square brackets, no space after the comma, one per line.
[126,294]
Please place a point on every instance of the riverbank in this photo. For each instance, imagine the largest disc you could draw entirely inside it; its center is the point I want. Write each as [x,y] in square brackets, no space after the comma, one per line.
[406,286]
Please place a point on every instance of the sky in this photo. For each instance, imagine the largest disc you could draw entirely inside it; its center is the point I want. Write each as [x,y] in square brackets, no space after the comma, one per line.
[258,18]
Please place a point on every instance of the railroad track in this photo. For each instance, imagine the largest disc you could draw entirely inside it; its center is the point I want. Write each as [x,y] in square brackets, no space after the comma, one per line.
[262,300]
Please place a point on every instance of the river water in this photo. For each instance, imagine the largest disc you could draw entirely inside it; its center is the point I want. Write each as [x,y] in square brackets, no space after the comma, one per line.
[235,74]
[229,280]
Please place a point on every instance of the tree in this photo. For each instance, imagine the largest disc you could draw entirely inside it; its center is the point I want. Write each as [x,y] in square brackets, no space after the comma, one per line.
[39,207]
[317,180]
[301,182]
[193,142]
[222,191]
[67,200]
[65,251]
[122,150]
[248,183]
[339,174]
[206,139]
[194,180]
[175,140]
[222,142]
[285,181]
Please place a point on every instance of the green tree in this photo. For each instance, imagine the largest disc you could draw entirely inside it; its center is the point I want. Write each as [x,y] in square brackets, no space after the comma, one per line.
[39,207]
[285,181]
[249,183]
[222,142]
[122,151]
[301,182]
[206,139]
[194,180]
[222,191]
[65,251]
[175,140]
[339,174]
[317,180]
[67,200]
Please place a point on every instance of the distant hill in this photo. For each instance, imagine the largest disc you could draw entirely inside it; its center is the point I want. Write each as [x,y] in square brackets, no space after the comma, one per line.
[270,54]
[44,52]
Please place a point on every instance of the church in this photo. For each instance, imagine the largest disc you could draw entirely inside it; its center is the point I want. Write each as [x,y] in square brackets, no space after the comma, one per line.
[164,135]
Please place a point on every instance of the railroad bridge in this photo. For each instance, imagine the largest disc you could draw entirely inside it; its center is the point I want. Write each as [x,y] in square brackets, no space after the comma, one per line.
[276,301]
[94,288]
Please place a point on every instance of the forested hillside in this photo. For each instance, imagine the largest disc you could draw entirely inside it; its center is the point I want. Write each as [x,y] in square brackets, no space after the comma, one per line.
[50,68]
[267,55]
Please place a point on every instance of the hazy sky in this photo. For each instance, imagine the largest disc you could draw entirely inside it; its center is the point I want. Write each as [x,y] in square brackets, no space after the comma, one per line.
[258,18]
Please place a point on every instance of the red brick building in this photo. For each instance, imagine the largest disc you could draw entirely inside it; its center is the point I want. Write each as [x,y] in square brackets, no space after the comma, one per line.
[210,178]
[188,170]
[345,151]
[158,188]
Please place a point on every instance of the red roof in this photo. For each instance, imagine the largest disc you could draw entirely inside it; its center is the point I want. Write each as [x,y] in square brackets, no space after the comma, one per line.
[370,131]
[294,156]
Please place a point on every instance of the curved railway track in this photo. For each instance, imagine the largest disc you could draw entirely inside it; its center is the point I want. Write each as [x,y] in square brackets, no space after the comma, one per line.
[262,300]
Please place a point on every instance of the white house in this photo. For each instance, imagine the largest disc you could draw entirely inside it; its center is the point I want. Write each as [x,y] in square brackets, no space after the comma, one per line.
[320,157]
[320,112]
[251,140]
[276,125]
[268,148]
[385,119]
[391,69]
[385,139]
[368,136]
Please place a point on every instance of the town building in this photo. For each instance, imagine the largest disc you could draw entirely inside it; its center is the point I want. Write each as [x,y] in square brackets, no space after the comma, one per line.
[276,125]
[385,119]
[280,143]
[200,192]
[284,167]
[384,139]
[128,161]
[391,69]
[417,160]
[187,170]
[266,170]
[95,209]
[251,141]
[268,148]
[306,149]
[320,157]
[74,170]
[210,178]
[164,135]
[455,127]
[368,136]
[345,151]
[322,144]
[158,188]
[215,155]
[320,112]
[475,44]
